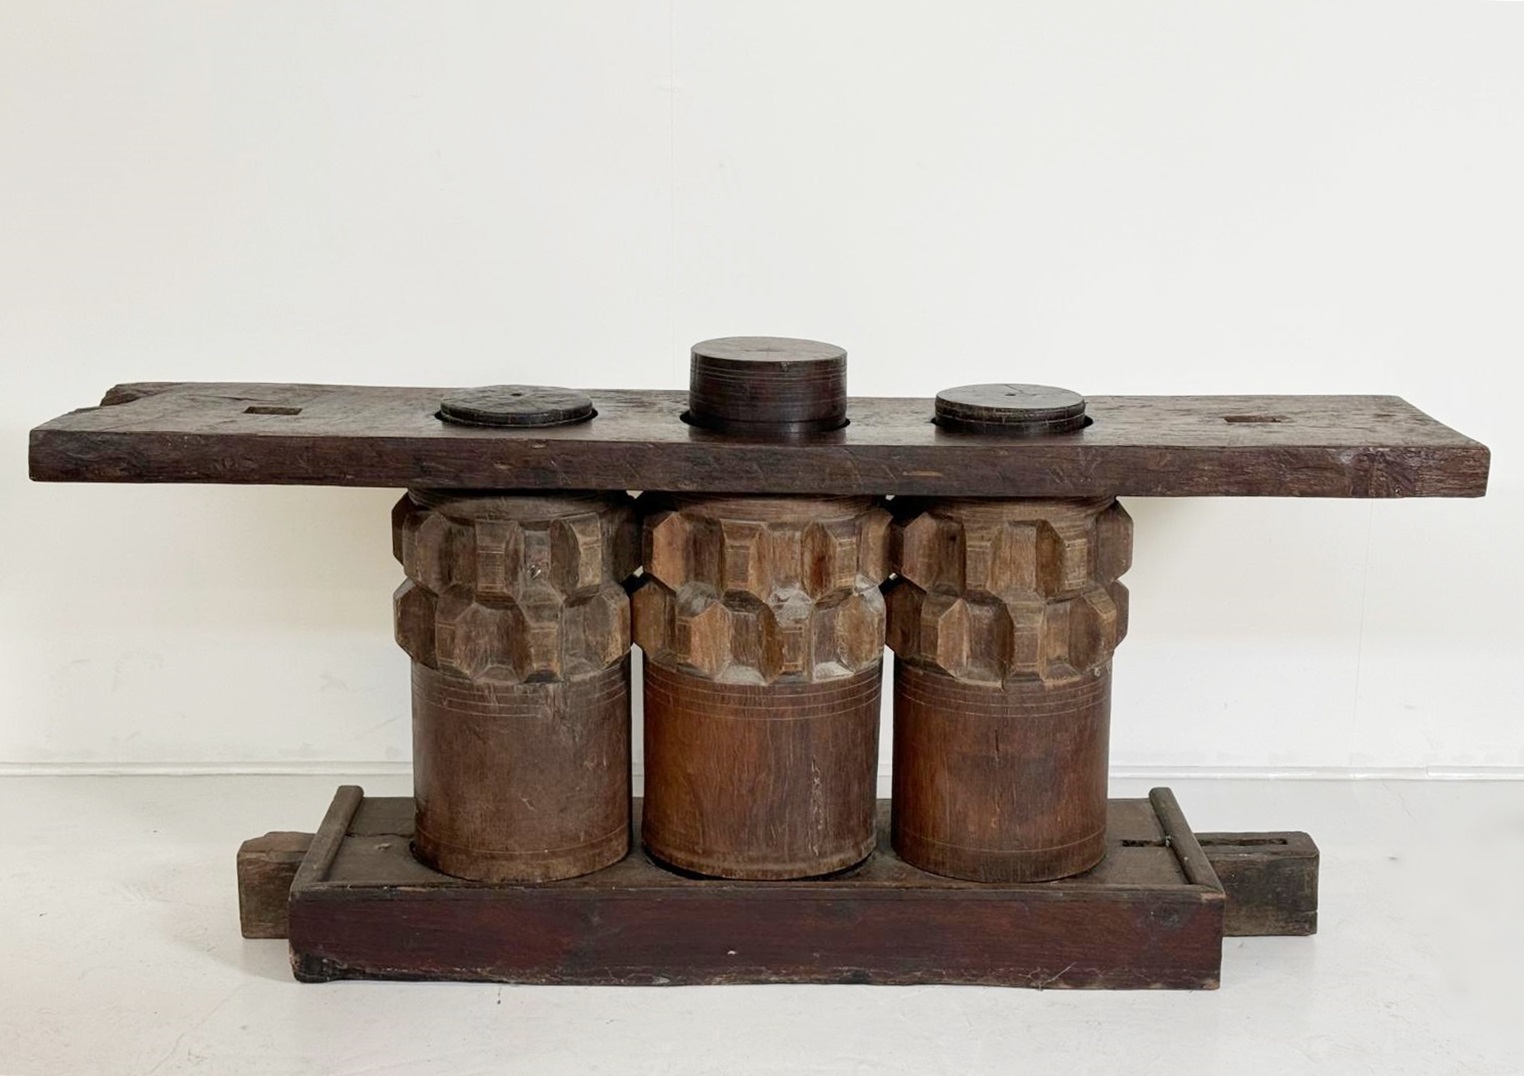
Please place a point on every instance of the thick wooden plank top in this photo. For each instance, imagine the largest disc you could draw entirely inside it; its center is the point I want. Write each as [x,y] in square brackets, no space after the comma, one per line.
[1171,446]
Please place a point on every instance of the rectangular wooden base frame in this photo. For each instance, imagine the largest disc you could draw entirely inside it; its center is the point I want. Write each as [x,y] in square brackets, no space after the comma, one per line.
[1151,915]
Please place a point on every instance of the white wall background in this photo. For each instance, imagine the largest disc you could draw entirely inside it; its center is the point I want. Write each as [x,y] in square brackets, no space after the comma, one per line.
[1118,197]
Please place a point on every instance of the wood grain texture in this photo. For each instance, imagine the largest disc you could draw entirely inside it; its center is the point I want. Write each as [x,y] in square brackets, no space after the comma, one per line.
[1013,409]
[760,781]
[521,782]
[762,625]
[1000,784]
[514,589]
[1278,446]
[1271,880]
[536,406]
[990,591]
[752,590]
[767,385]
[266,868]
[515,615]
[1136,921]
[1003,616]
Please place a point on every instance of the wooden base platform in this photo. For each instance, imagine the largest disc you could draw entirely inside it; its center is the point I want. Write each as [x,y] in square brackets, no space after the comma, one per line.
[1152,915]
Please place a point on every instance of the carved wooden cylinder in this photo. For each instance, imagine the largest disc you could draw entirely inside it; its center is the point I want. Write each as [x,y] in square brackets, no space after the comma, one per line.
[762,624]
[1003,622]
[516,617]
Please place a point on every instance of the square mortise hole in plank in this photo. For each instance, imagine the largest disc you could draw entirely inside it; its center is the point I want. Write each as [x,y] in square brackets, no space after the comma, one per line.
[1256,419]
[268,409]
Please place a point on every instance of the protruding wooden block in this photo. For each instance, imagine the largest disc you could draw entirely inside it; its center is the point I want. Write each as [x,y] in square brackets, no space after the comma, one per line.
[1271,880]
[266,867]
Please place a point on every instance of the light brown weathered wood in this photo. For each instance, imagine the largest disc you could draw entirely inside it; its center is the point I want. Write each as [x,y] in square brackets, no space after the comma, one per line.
[1316,446]
[992,590]
[1003,618]
[266,867]
[763,631]
[515,589]
[749,590]
[516,617]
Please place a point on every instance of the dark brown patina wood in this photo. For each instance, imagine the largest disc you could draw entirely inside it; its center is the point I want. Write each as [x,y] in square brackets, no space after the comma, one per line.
[767,386]
[1144,918]
[1271,880]
[1315,446]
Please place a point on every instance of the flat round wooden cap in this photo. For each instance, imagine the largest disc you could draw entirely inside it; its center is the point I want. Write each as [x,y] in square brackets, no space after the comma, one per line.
[767,384]
[516,405]
[1010,409]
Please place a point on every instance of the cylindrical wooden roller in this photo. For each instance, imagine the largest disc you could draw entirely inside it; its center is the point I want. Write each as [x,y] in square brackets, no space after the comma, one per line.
[1003,622]
[762,625]
[516,617]
[767,386]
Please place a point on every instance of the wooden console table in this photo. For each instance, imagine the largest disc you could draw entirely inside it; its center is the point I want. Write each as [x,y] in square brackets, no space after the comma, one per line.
[784,533]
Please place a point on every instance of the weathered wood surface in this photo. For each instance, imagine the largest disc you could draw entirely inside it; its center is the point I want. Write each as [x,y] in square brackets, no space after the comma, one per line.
[1271,881]
[266,867]
[1316,446]
[1141,919]
[762,625]
[767,385]
[1003,618]
[515,615]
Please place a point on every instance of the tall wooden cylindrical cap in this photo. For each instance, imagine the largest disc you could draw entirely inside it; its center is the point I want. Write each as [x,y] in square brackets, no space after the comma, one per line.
[767,385]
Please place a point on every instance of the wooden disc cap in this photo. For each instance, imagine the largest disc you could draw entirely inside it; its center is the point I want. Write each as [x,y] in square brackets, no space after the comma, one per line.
[767,385]
[1020,410]
[516,405]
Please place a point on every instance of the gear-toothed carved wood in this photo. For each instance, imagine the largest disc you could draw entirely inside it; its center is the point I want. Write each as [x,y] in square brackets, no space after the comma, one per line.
[762,624]
[1003,620]
[516,617]
[751,590]
[514,589]
[990,591]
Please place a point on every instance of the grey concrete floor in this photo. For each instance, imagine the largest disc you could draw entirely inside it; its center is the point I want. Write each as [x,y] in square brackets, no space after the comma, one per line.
[120,953]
